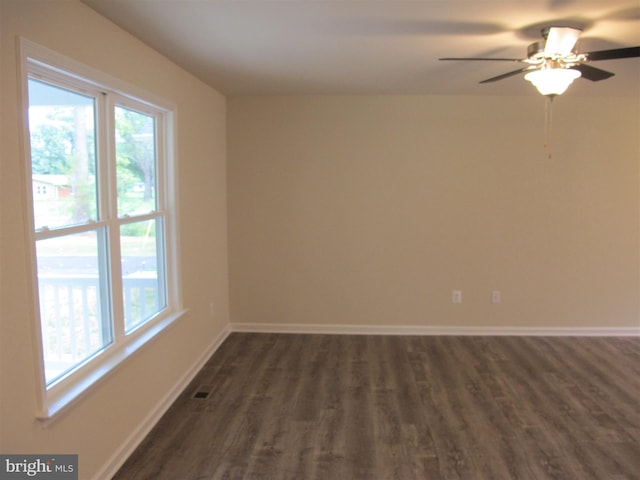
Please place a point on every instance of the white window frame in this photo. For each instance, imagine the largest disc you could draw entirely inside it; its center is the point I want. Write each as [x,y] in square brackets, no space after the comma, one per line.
[38,61]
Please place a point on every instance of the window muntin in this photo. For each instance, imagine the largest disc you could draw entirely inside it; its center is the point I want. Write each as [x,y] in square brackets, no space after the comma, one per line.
[94,213]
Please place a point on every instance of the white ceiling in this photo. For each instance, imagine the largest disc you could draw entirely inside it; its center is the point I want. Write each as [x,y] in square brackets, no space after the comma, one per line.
[373,47]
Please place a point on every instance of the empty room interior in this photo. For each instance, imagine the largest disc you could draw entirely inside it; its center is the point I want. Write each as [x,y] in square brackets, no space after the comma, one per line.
[321,240]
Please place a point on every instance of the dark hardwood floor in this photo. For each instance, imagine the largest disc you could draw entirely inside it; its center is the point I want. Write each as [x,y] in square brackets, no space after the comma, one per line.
[403,407]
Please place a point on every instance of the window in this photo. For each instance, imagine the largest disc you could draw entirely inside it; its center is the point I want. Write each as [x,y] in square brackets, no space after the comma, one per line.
[99,164]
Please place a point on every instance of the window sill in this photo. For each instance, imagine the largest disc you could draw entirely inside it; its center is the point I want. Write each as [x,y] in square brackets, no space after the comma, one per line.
[78,388]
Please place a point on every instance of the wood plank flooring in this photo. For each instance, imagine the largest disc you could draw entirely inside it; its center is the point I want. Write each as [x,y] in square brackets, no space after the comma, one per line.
[401,407]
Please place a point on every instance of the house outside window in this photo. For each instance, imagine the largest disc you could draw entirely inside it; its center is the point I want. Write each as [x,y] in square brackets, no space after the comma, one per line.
[100,168]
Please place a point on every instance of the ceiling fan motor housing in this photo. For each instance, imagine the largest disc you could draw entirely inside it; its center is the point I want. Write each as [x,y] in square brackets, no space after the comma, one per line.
[535,50]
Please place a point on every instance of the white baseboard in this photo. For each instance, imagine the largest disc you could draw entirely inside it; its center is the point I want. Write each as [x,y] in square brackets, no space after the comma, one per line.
[132,442]
[435,330]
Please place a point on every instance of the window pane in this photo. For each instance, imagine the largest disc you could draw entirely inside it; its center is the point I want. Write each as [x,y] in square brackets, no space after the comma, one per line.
[63,166]
[143,279]
[136,162]
[71,282]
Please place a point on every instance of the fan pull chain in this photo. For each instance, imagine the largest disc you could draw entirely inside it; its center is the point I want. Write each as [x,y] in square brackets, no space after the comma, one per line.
[548,123]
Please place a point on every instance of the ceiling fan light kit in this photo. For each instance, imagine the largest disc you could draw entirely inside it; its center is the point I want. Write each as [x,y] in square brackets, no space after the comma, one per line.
[553,64]
[552,81]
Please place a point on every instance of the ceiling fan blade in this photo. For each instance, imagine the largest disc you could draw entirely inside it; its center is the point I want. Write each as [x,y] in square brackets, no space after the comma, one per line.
[561,40]
[368,25]
[592,73]
[507,75]
[484,59]
[628,52]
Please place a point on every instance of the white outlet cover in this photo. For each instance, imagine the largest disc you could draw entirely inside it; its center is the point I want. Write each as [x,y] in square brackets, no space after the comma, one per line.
[495,296]
[456,296]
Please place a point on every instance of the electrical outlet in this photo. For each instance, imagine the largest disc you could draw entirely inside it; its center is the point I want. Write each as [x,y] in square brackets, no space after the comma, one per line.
[495,296]
[211,309]
[456,296]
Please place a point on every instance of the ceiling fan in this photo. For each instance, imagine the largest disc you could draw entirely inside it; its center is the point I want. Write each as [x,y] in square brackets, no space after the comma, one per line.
[554,62]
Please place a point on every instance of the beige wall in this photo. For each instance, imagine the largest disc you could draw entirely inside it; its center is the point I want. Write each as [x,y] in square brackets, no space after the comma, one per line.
[370,210]
[343,210]
[101,423]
